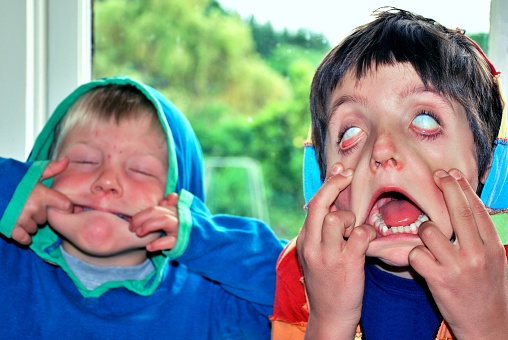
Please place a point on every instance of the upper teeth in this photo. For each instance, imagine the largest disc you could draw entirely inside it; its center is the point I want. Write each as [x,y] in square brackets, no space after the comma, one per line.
[124,217]
[380,225]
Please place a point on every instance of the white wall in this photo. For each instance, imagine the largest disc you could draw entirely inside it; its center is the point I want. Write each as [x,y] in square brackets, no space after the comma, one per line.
[46,52]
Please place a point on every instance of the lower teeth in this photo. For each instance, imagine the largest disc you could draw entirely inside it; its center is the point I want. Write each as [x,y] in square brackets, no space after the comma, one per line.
[383,229]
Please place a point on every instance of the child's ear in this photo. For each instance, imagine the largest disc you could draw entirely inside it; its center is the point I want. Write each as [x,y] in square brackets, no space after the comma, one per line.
[483,178]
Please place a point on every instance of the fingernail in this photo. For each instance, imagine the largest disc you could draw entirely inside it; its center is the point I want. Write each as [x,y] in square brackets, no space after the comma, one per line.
[456,174]
[346,173]
[440,173]
[336,168]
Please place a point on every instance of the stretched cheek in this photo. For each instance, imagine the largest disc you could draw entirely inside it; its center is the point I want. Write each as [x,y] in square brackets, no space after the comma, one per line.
[67,184]
[343,201]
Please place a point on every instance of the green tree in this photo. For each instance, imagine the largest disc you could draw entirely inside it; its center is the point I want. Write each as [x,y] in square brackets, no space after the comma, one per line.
[243,86]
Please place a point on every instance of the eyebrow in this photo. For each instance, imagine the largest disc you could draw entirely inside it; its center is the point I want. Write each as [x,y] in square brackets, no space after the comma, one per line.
[345,99]
[407,92]
[418,89]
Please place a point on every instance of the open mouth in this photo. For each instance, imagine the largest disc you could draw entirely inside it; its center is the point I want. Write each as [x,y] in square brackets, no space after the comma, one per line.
[81,208]
[394,213]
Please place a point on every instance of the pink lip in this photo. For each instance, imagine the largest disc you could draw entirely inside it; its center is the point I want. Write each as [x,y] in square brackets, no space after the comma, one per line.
[91,207]
[381,191]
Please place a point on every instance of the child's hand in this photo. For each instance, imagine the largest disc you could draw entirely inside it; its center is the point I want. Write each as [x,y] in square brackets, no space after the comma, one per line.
[333,267]
[42,198]
[469,277]
[161,218]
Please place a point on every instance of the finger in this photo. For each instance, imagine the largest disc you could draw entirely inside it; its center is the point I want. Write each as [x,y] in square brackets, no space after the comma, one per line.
[166,223]
[171,200]
[333,230]
[461,213]
[57,200]
[147,214]
[359,240]
[481,215]
[21,236]
[421,259]
[54,168]
[141,217]
[321,204]
[162,243]
[436,242]
[29,226]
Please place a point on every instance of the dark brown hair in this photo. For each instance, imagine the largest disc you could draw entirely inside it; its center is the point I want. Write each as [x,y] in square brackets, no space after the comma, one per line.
[445,59]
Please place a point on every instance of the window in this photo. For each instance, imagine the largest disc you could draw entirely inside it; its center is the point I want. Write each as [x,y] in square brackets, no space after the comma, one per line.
[243,83]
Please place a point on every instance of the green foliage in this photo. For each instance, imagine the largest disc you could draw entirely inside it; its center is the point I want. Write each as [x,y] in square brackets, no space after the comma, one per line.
[481,39]
[229,192]
[243,86]
[267,39]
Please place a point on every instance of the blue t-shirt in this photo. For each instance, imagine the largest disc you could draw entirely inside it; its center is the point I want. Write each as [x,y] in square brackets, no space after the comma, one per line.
[397,308]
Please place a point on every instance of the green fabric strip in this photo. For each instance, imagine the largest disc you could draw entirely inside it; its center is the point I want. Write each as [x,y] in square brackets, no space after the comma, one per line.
[501,224]
[185,199]
[44,141]
[145,287]
[20,196]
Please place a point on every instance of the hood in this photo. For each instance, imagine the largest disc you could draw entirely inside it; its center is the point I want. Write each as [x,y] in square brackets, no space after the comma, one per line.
[186,178]
[183,146]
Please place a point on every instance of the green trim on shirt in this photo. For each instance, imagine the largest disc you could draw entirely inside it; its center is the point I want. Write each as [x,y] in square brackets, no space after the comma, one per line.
[184,224]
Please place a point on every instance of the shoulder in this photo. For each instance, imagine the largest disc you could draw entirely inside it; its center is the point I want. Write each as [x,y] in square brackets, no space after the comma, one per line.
[290,300]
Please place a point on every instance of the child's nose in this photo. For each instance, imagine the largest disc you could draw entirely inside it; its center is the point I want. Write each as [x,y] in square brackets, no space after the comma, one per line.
[384,153]
[107,183]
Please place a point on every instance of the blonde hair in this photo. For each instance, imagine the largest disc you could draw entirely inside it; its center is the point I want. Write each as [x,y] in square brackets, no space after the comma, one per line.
[103,104]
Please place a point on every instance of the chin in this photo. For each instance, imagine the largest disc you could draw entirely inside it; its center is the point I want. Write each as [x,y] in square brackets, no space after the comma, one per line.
[95,237]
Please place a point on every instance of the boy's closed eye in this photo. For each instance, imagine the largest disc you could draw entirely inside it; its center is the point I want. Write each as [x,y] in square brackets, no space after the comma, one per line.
[143,172]
[146,166]
[85,161]
[83,155]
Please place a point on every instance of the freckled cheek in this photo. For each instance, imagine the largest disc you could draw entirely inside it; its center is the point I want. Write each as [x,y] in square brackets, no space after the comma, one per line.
[148,195]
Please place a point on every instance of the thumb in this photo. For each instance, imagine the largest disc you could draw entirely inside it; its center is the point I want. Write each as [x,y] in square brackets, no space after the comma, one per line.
[54,168]
[170,201]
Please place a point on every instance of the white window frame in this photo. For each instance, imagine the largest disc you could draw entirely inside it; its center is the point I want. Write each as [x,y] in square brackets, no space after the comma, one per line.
[498,39]
[46,53]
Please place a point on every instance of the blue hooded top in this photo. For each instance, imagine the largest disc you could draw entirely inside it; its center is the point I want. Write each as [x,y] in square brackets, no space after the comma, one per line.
[217,282]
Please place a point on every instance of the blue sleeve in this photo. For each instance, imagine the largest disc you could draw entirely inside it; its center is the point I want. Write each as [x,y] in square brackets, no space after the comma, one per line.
[237,252]
[17,180]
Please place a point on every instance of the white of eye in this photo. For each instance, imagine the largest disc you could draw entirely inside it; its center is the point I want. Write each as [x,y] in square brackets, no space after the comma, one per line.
[351,133]
[425,122]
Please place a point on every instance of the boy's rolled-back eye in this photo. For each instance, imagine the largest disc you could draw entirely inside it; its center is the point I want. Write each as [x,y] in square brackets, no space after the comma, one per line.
[425,123]
[349,137]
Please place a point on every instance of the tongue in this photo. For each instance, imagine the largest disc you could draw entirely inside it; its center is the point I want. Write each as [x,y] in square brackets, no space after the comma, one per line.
[399,213]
